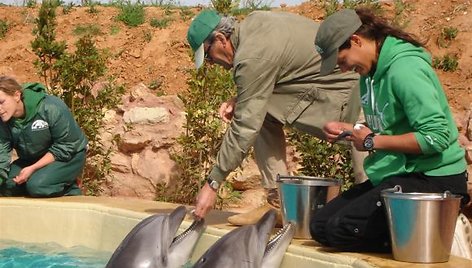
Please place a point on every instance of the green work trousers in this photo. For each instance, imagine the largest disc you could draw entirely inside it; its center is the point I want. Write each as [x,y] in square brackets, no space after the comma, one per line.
[56,179]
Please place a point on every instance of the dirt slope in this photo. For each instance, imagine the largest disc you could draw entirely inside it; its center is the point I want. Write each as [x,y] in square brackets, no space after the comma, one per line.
[161,56]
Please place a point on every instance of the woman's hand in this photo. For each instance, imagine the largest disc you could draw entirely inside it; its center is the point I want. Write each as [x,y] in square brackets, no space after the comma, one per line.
[226,110]
[24,175]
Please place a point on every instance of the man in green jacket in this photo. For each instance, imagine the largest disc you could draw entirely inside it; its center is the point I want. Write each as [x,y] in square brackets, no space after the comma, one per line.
[49,143]
[276,72]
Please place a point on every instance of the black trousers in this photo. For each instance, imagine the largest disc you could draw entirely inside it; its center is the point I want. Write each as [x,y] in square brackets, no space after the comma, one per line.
[356,219]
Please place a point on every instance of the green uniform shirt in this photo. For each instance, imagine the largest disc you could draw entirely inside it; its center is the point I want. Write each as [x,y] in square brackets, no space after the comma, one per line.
[404,95]
[48,126]
[276,71]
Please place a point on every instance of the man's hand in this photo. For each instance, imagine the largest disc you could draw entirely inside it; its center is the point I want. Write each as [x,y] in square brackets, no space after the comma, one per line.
[206,199]
[333,129]
[226,110]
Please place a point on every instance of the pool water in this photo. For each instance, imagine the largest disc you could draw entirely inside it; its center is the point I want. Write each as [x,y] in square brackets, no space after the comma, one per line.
[44,255]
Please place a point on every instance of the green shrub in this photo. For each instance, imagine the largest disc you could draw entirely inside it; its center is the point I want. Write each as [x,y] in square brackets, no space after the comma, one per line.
[45,45]
[114,29]
[331,6]
[323,159]
[147,36]
[160,23]
[447,63]
[203,131]
[4,27]
[132,14]
[399,19]
[224,6]
[67,8]
[186,13]
[29,3]
[447,35]
[87,29]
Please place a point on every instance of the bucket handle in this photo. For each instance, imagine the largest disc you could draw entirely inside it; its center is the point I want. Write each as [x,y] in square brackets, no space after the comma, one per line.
[396,189]
[447,194]
[280,178]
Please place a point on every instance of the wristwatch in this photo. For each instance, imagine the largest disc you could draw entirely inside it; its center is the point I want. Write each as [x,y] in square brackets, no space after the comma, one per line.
[213,184]
[369,142]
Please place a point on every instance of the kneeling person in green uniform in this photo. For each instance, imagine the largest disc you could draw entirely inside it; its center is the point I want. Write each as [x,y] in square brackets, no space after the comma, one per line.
[50,145]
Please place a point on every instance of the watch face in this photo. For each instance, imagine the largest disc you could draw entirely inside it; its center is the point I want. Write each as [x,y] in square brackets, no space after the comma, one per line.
[369,143]
[213,184]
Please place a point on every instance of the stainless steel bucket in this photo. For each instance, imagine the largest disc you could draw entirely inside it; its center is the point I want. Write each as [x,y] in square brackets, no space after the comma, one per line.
[301,196]
[421,224]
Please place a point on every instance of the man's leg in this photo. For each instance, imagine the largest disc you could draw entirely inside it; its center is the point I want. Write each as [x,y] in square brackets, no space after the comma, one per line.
[270,154]
[358,158]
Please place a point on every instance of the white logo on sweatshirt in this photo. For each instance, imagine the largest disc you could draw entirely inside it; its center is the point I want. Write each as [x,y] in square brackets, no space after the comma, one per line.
[39,124]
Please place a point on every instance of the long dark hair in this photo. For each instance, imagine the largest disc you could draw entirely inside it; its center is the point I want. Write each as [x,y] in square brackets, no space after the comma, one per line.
[377,28]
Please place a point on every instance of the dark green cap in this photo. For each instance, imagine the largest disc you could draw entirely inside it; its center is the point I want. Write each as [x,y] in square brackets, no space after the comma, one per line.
[333,32]
[200,29]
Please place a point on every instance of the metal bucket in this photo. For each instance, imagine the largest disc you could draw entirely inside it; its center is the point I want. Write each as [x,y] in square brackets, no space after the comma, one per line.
[421,224]
[301,196]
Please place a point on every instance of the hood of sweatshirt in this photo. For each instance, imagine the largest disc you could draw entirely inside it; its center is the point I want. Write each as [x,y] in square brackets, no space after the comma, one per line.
[33,94]
[394,49]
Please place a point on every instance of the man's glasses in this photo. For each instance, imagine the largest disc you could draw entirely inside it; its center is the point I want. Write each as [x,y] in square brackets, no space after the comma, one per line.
[207,52]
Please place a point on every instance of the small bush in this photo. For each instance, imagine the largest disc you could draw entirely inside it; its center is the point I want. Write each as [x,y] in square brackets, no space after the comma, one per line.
[399,19]
[447,35]
[331,6]
[114,29]
[203,131]
[323,159]
[147,36]
[67,8]
[186,13]
[87,29]
[160,23]
[4,27]
[132,14]
[447,63]
[30,3]
[92,8]
[224,6]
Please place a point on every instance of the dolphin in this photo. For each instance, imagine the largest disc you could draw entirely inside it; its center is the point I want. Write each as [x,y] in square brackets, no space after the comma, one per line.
[151,243]
[249,246]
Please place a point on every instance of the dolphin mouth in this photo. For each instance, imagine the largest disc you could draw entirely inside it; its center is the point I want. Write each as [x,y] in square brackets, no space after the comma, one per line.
[196,226]
[282,235]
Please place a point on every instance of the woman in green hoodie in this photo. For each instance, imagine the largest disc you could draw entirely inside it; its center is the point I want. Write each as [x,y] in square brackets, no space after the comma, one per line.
[409,132]
[48,141]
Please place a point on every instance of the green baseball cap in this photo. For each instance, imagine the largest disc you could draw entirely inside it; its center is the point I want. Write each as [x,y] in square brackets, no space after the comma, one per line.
[200,29]
[333,32]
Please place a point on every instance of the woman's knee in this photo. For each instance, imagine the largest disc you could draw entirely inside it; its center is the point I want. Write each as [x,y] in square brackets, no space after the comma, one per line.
[39,187]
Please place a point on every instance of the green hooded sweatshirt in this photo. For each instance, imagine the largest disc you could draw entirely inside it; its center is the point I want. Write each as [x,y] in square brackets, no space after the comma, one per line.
[48,126]
[404,95]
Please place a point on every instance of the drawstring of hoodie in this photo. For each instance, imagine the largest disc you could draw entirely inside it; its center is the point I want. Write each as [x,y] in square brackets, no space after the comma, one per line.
[369,83]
